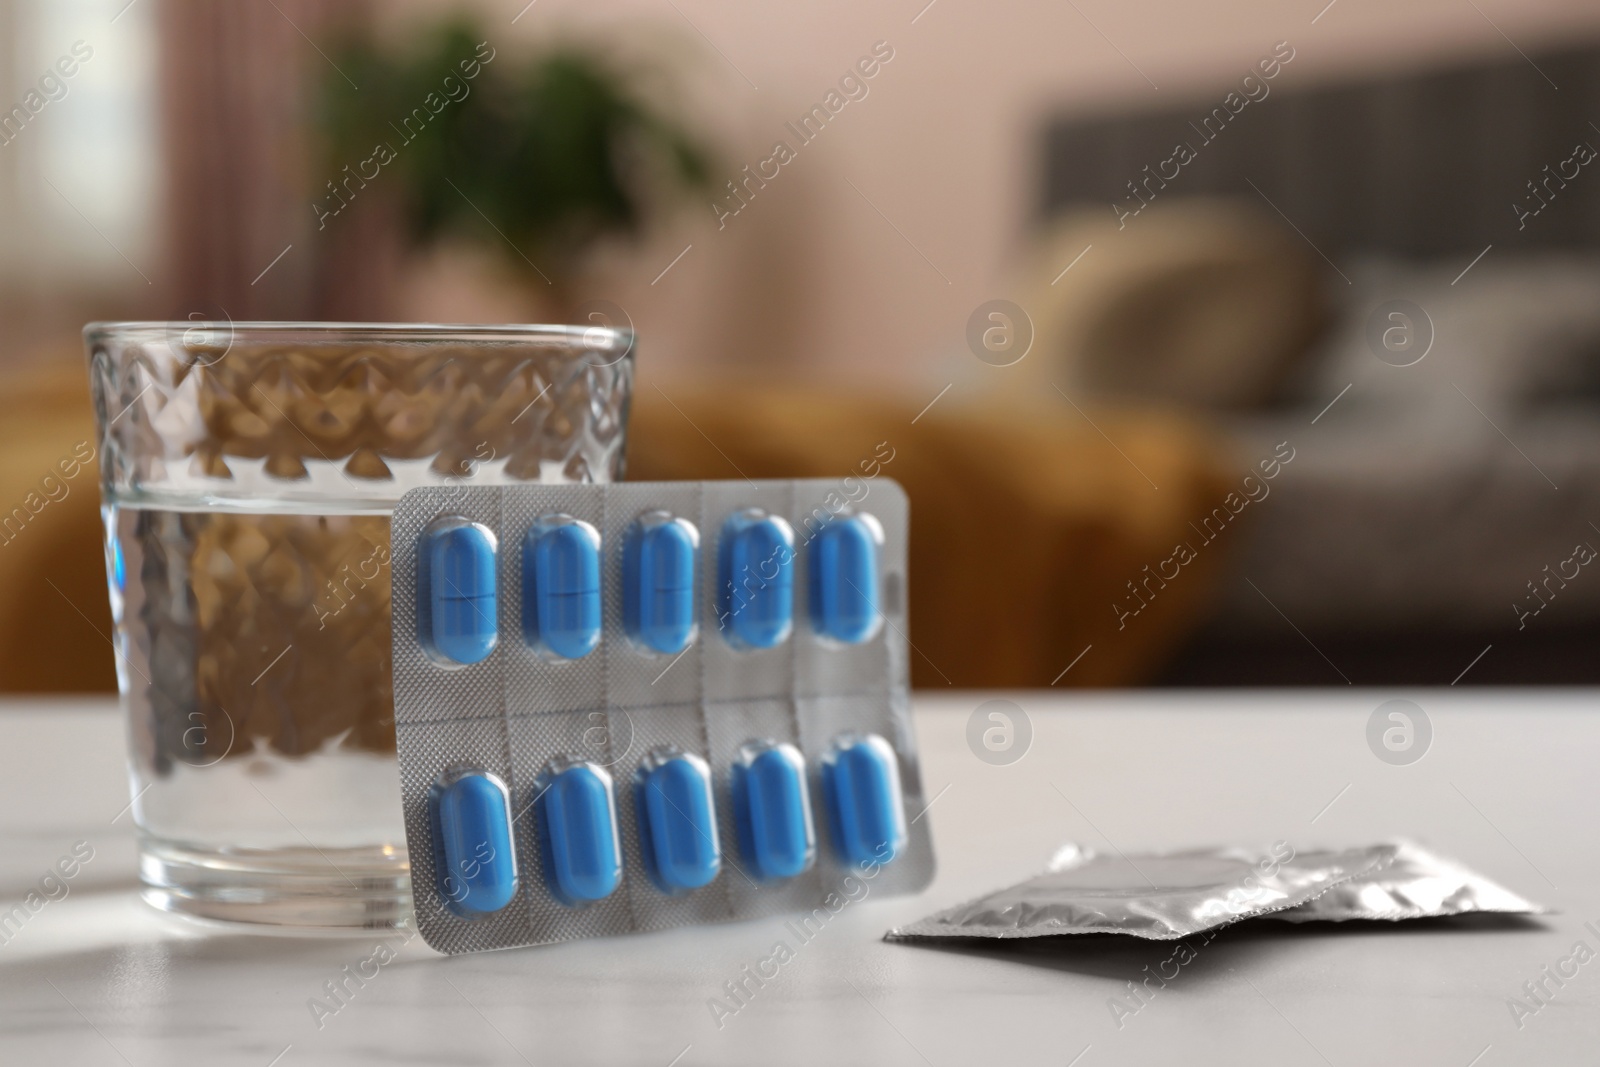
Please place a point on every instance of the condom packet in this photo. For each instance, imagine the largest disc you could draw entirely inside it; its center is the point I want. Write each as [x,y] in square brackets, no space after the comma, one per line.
[1158,896]
[641,705]
[1417,884]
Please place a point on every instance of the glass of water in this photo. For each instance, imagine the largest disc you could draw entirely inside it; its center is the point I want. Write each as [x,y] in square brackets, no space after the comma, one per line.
[248,471]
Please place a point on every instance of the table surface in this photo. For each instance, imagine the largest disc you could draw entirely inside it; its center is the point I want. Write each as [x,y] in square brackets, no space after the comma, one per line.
[1507,786]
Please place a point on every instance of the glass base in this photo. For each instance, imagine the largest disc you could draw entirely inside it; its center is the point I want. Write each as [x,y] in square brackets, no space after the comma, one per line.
[285,891]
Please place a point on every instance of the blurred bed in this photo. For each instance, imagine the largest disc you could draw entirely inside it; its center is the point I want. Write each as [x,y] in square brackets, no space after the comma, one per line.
[1446,493]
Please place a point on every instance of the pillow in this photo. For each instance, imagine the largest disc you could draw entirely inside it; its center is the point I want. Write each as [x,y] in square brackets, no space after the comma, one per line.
[1205,303]
[1512,333]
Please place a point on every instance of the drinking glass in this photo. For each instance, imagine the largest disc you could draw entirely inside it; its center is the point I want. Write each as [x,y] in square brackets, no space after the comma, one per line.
[248,471]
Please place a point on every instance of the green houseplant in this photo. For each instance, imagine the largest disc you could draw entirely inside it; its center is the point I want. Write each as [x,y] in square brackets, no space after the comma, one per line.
[538,156]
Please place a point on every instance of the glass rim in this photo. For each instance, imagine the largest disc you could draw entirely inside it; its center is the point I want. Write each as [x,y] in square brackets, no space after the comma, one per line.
[591,337]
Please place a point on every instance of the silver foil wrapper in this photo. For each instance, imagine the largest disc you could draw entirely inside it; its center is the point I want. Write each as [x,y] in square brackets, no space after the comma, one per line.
[1416,885]
[1161,896]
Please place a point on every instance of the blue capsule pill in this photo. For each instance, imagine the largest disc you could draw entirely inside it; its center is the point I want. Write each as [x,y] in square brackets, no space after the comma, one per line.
[844,579]
[472,816]
[861,778]
[460,581]
[677,824]
[755,579]
[561,587]
[772,810]
[578,833]
[658,583]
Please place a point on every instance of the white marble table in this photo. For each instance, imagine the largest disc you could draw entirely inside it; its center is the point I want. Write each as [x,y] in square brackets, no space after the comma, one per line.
[1508,786]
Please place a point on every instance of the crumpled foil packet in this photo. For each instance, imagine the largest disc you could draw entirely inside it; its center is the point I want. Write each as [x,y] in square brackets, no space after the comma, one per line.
[1165,896]
[1416,885]
[1161,896]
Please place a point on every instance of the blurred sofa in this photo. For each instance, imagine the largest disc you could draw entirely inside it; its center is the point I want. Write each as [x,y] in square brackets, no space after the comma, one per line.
[1028,527]
[55,623]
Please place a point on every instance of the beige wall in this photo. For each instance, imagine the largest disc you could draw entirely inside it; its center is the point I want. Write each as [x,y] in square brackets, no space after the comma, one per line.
[810,277]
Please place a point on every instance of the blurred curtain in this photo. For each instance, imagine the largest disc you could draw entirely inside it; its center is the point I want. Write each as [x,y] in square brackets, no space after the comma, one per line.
[239,81]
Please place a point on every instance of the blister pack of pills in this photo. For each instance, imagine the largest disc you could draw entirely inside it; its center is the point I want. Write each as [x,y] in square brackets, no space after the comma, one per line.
[650,704]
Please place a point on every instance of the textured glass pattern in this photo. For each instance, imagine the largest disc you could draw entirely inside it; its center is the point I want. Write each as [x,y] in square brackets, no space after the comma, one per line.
[354,414]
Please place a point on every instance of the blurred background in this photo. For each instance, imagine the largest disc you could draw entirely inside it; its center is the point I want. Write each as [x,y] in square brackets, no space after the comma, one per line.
[1224,343]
